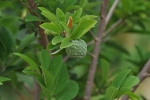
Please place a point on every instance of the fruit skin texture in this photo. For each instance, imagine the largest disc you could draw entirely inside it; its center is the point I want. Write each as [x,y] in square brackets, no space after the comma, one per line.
[78,49]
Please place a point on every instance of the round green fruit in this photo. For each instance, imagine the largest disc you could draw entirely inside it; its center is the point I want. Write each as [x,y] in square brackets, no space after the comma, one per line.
[78,49]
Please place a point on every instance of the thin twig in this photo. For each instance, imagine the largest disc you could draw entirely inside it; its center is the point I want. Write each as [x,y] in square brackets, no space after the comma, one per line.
[39,2]
[65,58]
[105,38]
[90,43]
[107,20]
[142,75]
[96,51]
[117,23]
[111,10]
[44,39]
[24,4]
[28,89]
[92,34]
[20,95]
[90,54]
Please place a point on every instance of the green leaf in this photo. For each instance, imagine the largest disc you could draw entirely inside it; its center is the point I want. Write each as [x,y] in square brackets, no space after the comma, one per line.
[66,28]
[60,80]
[3,79]
[32,18]
[105,66]
[123,91]
[31,72]
[93,4]
[43,86]
[70,2]
[119,79]
[82,28]
[69,92]
[77,13]
[74,27]
[55,65]
[65,43]
[68,14]
[26,41]
[60,15]
[117,47]
[45,12]
[62,1]
[132,96]
[54,28]
[57,39]
[9,69]
[7,42]
[59,52]
[49,79]
[111,93]
[30,61]
[72,7]
[4,4]
[45,59]
[76,20]
[49,16]
[141,56]
[83,3]
[50,46]
[79,71]
[130,81]
[87,17]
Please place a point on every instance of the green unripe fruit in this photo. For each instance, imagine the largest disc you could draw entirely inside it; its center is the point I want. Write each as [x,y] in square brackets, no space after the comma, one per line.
[78,49]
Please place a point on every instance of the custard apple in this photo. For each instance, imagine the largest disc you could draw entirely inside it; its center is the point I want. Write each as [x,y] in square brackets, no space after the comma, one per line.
[78,49]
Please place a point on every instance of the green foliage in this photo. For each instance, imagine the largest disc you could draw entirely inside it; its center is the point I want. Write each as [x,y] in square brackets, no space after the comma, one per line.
[119,79]
[48,80]
[122,84]
[3,79]
[60,80]
[82,28]
[66,28]
[25,42]
[63,29]
[53,78]
[30,61]
[133,96]
[111,93]
[66,43]
[7,42]
[4,4]
[69,91]
[45,59]
[57,39]
[125,46]
[45,12]
[60,15]
[52,27]
[32,18]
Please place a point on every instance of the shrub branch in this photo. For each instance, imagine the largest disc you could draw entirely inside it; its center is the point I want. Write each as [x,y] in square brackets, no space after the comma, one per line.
[110,13]
[96,51]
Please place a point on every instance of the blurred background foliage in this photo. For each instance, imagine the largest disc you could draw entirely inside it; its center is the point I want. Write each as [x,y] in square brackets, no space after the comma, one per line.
[124,46]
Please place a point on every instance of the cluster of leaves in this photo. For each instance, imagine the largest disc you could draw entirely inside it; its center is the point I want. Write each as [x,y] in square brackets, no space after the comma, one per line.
[64,27]
[52,76]
[122,84]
